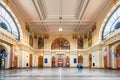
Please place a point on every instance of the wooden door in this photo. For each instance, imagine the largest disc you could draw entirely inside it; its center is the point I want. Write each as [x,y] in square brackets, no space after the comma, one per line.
[80,59]
[30,60]
[15,61]
[118,61]
[105,62]
[118,57]
[53,61]
[90,61]
[40,61]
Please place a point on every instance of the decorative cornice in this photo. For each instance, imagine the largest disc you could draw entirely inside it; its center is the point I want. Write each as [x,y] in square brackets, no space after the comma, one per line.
[7,37]
[112,38]
[91,49]
[41,12]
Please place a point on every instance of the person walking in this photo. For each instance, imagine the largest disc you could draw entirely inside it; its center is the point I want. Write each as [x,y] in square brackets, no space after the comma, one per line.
[79,66]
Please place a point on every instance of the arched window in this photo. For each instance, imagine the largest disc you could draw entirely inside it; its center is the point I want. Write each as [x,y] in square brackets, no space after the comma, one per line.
[8,23]
[112,24]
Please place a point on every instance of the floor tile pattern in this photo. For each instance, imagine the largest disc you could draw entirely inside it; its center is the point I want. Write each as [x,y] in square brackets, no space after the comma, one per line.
[59,74]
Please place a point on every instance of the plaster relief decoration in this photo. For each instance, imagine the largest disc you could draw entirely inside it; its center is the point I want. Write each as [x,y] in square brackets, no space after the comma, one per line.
[31,38]
[80,42]
[27,27]
[60,44]
[41,42]
[85,35]
[74,36]
[89,38]
[94,27]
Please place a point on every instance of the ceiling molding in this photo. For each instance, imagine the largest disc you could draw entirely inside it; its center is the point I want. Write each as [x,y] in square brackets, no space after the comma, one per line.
[18,9]
[98,14]
[64,22]
[40,10]
[43,15]
[81,10]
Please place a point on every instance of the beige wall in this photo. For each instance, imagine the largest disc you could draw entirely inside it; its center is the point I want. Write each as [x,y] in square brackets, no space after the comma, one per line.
[23,50]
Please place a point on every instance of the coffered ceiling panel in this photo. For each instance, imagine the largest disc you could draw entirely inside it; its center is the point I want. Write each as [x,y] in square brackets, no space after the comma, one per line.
[46,16]
[64,8]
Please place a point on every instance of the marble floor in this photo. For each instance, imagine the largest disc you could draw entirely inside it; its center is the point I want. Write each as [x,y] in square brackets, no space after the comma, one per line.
[59,74]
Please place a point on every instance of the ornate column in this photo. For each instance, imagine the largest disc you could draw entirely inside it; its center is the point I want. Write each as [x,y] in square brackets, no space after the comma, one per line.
[12,56]
[108,56]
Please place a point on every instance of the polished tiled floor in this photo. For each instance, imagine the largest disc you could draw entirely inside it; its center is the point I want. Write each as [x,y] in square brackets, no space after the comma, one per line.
[59,74]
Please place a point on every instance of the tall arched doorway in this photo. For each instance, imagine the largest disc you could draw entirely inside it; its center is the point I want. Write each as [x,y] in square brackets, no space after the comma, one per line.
[40,61]
[3,54]
[118,56]
[60,48]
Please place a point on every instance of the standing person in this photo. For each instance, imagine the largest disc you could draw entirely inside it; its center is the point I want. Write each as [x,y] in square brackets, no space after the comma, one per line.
[27,66]
[79,66]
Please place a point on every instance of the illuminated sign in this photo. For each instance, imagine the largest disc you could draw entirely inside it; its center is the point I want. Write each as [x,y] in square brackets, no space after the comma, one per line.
[116,55]
[3,55]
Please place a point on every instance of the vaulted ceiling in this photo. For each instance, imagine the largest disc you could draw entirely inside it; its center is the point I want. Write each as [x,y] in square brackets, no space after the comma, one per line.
[46,16]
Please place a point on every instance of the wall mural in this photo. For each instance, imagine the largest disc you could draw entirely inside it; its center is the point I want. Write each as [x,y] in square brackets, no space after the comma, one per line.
[41,42]
[60,44]
[89,38]
[80,42]
[31,39]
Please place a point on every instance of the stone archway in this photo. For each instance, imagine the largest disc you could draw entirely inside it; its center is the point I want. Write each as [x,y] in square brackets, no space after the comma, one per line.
[3,54]
[107,17]
[14,17]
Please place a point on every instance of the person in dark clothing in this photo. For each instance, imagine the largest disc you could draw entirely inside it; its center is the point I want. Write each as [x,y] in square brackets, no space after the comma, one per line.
[27,66]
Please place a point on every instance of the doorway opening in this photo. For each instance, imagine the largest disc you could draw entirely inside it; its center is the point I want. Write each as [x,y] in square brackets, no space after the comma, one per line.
[60,61]
[3,54]
[40,61]
[118,57]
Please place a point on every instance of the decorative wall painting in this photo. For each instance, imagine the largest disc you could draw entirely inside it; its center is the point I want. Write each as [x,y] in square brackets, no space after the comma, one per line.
[41,42]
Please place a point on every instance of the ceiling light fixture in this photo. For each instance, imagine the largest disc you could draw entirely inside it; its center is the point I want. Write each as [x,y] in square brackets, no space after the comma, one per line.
[60,18]
[60,29]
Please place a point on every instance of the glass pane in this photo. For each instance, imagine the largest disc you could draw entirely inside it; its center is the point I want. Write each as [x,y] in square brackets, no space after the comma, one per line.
[8,20]
[111,23]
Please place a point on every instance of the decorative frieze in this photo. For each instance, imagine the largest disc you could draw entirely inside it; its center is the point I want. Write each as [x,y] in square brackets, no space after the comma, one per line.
[7,37]
[113,38]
